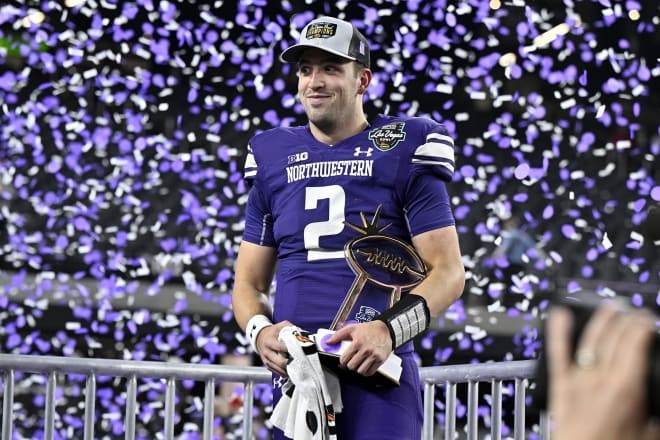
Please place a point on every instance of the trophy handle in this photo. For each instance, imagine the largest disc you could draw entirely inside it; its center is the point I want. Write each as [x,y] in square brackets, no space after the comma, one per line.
[349,300]
[395,296]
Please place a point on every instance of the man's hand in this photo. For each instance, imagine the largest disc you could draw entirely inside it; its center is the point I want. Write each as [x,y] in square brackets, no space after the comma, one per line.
[272,351]
[370,346]
[603,396]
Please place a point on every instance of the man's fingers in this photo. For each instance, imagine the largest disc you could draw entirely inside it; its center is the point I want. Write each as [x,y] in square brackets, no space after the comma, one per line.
[558,331]
[276,362]
[274,352]
[596,336]
[635,339]
[368,367]
[340,335]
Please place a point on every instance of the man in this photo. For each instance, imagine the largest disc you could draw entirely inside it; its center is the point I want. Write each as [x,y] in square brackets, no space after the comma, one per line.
[318,187]
[511,257]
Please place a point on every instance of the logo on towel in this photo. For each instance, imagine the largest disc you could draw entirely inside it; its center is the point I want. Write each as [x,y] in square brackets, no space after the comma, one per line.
[303,337]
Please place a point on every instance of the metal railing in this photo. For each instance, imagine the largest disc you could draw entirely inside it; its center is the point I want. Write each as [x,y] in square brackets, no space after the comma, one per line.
[92,368]
[495,373]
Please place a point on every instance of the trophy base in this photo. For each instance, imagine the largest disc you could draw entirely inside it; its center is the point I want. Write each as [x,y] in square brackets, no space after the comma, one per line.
[387,375]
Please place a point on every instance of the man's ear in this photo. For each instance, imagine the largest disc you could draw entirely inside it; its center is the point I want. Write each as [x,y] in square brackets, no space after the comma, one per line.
[365,80]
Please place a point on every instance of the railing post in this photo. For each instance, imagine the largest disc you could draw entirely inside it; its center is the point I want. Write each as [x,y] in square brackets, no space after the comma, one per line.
[49,421]
[8,405]
[429,407]
[473,410]
[131,398]
[450,411]
[170,395]
[519,410]
[209,409]
[248,405]
[90,400]
[496,411]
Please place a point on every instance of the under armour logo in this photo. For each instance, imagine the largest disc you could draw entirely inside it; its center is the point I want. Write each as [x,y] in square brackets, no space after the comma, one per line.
[359,151]
[278,382]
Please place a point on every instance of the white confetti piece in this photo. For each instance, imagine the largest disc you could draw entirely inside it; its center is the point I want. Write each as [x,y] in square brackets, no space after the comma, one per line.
[444,88]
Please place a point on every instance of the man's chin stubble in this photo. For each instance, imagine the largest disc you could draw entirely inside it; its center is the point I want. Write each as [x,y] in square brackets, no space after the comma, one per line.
[323,124]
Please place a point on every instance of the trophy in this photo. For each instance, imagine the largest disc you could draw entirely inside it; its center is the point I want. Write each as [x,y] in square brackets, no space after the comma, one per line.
[388,263]
[384,266]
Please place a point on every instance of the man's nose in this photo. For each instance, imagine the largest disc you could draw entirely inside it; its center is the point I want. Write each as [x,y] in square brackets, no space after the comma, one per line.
[316,78]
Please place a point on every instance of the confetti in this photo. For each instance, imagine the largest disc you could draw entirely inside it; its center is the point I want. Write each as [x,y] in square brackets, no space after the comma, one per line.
[124,127]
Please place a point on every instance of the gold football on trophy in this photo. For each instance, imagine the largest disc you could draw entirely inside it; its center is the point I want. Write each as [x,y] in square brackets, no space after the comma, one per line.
[386,261]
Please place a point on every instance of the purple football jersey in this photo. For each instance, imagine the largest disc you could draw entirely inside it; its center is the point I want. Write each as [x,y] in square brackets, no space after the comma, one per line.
[305,194]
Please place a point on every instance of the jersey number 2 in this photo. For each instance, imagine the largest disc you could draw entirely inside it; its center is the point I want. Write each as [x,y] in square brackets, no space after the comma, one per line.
[333,226]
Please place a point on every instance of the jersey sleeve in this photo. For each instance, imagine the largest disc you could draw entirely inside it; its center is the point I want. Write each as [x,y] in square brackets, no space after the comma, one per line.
[258,219]
[436,154]
[427,205]
[250,168]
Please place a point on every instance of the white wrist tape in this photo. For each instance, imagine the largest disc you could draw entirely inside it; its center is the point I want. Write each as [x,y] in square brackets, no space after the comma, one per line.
[254,326]
[406,319]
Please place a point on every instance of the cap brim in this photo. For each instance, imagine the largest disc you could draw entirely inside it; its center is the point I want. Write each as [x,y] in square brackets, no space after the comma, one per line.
[293,53]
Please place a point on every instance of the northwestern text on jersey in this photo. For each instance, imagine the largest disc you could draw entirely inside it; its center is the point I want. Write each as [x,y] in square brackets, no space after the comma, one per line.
[360,167]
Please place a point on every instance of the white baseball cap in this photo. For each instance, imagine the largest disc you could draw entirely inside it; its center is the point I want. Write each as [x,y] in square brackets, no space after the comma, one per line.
[332,35]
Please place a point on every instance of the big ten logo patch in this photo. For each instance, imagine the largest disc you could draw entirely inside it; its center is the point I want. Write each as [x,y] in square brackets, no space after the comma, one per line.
[298,157]
[321,30]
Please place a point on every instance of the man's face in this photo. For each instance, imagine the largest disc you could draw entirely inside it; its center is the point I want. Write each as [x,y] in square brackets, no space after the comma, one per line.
[328,87]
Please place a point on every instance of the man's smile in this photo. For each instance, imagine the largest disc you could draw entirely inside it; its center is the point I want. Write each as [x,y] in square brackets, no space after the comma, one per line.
[317,98]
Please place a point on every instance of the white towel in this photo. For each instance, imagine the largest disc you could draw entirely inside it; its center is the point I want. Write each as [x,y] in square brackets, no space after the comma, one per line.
[311,396]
